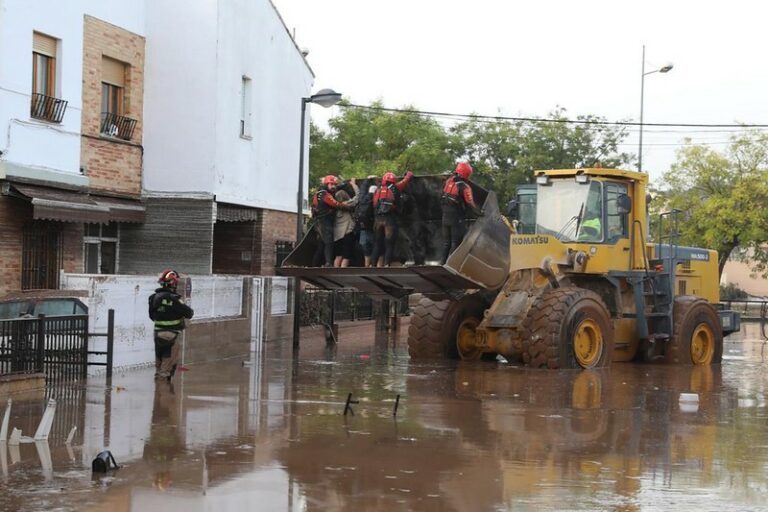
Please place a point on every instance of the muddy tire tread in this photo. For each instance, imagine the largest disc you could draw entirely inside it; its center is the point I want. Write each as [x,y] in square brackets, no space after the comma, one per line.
[424,332]
[678,351]
[542,326]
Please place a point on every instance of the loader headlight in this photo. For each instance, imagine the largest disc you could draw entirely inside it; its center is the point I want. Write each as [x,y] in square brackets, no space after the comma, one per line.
[542,180]
[582,178]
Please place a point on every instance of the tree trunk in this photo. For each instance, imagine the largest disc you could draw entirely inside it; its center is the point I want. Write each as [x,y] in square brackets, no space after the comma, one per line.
[723,253]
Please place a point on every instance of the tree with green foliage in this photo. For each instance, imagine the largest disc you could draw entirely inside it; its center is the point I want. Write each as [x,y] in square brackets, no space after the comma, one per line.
[370,141]
[722,197]
[508,152]
[732,291]
[363,141]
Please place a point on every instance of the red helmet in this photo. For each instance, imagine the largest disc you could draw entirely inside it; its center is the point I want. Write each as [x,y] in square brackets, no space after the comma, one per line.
[330,180]
[464,170]
[169,278]
[389,177]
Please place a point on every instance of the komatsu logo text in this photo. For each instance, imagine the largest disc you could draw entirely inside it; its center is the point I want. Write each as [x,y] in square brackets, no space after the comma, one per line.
[529,240]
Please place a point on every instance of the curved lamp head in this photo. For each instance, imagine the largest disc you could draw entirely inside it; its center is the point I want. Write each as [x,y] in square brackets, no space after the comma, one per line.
[666,68]
[325,98]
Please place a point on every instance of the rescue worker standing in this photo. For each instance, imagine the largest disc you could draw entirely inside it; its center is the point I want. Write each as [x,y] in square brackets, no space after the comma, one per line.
[364,218]
[168,311]
[456,198]
[324,208]
[385,202]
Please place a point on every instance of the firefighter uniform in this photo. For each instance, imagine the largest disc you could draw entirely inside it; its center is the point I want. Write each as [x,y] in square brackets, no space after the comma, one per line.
[456,198]
[168,311]
[385,209]
[324,208]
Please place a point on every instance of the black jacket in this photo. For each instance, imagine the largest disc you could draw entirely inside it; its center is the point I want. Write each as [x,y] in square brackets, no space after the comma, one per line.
[167,310]
[364,210]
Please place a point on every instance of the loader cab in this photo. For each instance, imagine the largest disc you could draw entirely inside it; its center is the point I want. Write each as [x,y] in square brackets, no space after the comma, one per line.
[578,207]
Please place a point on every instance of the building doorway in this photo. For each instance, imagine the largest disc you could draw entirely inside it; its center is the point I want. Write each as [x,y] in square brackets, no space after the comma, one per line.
[41,255]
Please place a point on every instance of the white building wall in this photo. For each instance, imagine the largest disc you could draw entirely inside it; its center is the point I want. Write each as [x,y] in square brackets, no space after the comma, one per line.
[261,171]
[212,297]
[180,96]
[27,143]
[197,54]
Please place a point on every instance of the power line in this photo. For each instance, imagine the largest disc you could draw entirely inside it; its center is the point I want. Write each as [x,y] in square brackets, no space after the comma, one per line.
[678,144]
[486,118]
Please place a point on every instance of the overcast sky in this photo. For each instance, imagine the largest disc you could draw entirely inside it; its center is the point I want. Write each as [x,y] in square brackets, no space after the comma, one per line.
[526,57]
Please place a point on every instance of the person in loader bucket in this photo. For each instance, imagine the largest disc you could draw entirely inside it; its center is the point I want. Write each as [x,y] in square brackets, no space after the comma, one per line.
[324,207]
[364,218]
[456,198]
[168,311]
[385,209]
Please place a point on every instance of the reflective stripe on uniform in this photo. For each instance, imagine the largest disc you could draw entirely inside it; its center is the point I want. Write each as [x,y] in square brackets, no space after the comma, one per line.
[167,323]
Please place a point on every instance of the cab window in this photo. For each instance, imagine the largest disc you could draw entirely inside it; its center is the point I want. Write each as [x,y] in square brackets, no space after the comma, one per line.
[591,222]
[526,198]
[616,223]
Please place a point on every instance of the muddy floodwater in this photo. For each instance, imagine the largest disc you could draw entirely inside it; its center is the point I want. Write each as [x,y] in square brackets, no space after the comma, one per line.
[271,435]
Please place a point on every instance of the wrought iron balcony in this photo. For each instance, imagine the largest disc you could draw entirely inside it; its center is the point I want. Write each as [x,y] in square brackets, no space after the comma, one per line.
[114,125]
[47,108]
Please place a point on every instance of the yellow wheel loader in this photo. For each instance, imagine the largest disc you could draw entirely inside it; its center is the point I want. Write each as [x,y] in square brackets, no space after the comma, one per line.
[571,282]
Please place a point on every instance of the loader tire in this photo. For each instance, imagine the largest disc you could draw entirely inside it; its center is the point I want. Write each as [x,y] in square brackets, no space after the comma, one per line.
[568,328]
[434,326]
[697,337]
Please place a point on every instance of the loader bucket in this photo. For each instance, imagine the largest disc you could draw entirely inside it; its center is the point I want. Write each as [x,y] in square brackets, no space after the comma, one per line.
[481,261]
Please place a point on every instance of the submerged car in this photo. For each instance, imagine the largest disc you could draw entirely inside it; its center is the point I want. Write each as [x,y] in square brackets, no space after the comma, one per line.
[42,302]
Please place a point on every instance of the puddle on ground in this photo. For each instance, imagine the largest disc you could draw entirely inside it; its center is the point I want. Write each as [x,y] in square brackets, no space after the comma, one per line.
[466,437]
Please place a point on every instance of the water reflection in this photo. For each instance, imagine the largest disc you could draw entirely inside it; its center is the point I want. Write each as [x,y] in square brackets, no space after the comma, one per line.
[480,436]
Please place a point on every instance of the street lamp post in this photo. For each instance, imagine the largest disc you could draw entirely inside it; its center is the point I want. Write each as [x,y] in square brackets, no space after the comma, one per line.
[325,98]
[666,68]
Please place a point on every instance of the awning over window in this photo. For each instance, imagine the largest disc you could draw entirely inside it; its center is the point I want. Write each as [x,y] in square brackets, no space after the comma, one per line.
[61,205]
[235,213]
[122,210]
[72,206]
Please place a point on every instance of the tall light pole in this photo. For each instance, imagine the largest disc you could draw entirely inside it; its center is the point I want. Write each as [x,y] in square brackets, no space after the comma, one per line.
[666,68]
[325,98]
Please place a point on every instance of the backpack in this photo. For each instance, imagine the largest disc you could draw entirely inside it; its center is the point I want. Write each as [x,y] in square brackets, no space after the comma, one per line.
[363,213]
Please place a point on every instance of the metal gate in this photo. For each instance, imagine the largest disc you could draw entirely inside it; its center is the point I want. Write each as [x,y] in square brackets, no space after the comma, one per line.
[56,346]
[41,255]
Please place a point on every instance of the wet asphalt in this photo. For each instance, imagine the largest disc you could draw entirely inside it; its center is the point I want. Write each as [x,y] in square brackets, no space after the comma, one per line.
[270,433]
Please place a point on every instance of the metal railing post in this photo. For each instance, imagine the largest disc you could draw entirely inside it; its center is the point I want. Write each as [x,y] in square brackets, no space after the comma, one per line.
[40,344]
[84,350]
[110,341]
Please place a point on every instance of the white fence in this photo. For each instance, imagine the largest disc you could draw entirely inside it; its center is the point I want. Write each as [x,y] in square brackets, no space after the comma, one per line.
[217,296]
[212,297]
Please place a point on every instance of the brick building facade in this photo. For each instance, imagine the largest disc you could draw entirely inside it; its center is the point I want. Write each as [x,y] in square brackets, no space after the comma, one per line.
[113,64]
[211,189]
[61,203]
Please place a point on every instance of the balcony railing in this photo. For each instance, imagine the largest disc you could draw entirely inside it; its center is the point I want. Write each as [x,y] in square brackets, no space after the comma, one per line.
[114,125]
[47,108]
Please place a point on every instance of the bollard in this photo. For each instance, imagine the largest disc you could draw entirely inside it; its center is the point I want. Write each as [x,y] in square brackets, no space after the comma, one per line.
[397,403]
[46,422]
[6,419]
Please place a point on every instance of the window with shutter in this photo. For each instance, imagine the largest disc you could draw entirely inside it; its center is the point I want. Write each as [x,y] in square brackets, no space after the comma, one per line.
[43,64]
